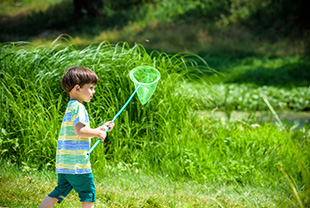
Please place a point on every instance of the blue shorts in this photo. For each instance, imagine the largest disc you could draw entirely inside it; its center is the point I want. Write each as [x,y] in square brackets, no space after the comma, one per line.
[83,184]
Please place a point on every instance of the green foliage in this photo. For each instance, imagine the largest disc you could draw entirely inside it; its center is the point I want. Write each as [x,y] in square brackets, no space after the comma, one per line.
[33,102]
[287,72]
[36,18]
[241,80]
[165,136]
[168,136]
[8,7]
[278,17]
[266,17]
[246,97]
[182,10]
[124,4]
[48,19]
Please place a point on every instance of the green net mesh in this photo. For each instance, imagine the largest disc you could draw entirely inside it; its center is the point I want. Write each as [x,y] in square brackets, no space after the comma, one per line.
[147,77]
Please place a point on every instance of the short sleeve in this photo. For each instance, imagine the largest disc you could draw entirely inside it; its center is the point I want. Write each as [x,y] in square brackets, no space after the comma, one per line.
[79,114]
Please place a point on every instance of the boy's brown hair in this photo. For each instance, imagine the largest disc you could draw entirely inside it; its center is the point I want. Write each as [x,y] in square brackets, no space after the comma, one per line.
[78,75]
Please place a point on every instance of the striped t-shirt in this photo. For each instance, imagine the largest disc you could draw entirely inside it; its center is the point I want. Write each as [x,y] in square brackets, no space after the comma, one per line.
[71,154]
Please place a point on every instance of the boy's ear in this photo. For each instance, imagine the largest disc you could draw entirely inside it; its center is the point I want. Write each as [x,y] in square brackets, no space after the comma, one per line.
[77,88]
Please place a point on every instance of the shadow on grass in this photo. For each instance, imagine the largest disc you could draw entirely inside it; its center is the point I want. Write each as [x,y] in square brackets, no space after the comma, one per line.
[25,26]
[59,19]
[240,67]
[287,75]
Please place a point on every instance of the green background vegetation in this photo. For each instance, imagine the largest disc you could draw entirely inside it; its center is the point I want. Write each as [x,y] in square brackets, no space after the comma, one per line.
[226,127]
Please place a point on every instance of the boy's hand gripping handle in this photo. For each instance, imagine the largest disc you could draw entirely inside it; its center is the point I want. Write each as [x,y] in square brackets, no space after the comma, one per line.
[97,142]
[107,129]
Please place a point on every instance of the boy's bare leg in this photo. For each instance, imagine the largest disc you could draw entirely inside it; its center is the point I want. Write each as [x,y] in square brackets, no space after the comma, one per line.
[48,202]
[88,205]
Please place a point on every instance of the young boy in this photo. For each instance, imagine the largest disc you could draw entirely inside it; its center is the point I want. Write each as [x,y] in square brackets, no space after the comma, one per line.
[72,163]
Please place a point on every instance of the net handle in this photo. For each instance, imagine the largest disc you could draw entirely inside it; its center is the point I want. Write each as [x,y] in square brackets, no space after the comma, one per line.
[115,117]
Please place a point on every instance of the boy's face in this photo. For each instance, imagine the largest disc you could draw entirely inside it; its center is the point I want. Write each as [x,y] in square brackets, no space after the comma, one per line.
[86,93]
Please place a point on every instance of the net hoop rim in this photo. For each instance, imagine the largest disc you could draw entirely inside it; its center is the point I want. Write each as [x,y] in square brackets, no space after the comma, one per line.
[132,77]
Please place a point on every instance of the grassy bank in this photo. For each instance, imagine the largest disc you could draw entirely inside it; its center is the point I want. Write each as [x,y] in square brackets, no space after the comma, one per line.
[204,27]
[165,138]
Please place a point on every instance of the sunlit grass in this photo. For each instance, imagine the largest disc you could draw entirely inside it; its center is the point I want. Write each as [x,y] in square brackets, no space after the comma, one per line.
[192,38]
[117,187]
[154,32]
[25,7]
[165,137]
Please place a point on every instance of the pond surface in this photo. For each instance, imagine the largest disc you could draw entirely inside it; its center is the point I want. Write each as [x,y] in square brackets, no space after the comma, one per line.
[298,118]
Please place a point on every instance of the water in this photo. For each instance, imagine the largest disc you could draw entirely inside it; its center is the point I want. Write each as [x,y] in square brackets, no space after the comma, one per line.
[293,118]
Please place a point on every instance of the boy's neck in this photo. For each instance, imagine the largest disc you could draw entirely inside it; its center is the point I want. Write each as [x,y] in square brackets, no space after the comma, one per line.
[74,97]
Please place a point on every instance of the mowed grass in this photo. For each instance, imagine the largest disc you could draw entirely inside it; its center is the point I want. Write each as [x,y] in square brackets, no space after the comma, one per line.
[117,187]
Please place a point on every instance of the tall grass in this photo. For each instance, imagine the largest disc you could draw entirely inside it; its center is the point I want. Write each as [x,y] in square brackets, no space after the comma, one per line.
[32,100]
[165,136]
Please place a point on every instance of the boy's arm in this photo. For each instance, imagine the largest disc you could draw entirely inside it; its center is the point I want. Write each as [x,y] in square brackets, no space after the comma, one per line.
[83,131]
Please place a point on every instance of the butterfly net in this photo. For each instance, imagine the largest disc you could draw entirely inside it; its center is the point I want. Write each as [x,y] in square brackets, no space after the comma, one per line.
[145,78]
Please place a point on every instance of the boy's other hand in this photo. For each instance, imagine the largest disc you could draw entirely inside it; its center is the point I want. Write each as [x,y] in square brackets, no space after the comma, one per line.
[109,124]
